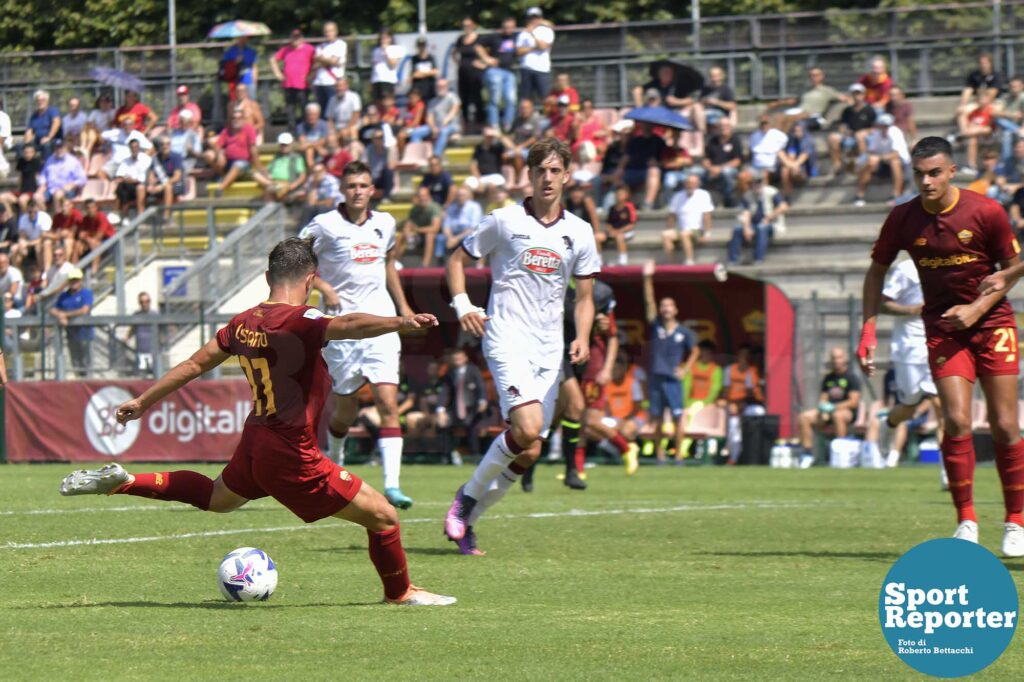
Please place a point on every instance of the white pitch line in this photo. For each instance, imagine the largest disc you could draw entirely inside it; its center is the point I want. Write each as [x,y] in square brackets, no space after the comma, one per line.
[496,517]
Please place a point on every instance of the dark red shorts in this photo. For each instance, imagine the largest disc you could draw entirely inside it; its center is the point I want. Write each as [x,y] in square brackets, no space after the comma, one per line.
[974,353]
[311,486]
[593,394]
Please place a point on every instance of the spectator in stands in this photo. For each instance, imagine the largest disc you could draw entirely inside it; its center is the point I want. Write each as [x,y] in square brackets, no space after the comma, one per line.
[562,121]
[56,276]
[381,161]
[762,214]
[29,165]
[12,282]
[101,118]
[1011,170]
[442,119]
[837,404]
[533,47]
[886,153]
[186,141]
[76,301]
[184,104]
[67,221]
[485,166]
[723,156]
[1016,210]
[390,113]
[562,86]
[982,78]
[689,212]
[344,111]
[285,176]
[676,164]
[639,166]
[312,133]
[664,83]
[468,53]
[329,61]
[902,110]
[854,126]
[338,154]
[94,230]
[1009,109]
[233,153]
[118,139]
[620,225]
[424,70]
[460,218]
[32,224]
[989,183]
[43,130]
[977,121]
[589,136]
[130,180]
[527,128]
[813,105]
[166,177]
[741,396]
[10,313]
[421,228]
[462,404]
[6,141]
[797,162]
[717,98]
[62,176]
[413,116]
[440,183]
[877,83]
[252,114]
[143,117]
[500,57]
[323,193]
[386,58]
[73,123]
[766,143]
[577,200]
[239,66]
[145,335]
[8,229]
[610,176]
[296,58]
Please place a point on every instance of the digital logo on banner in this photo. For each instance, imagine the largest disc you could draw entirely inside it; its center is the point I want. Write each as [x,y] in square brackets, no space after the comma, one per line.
[948,608]
[105,435]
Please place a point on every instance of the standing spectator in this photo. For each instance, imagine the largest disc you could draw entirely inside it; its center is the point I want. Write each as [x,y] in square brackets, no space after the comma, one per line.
[329,60]
[723,156]
[424,70]
[742,397]
[166,177]
[689,212]
[837,404]
[886,151]
[296,57]
[67,221]
[620,224]
[239,66]
[43,130]
[32,225]
[533,47]
[76,301]
[460,219]
[815,102]
[717,97]
[442,119]
[144,118]
[345,109]
[100,119]
[902,111]
[877,83]
[462,403]
[233,153]
[252,113]
[485,166]
[6,142]
[527,128]
[440,183]
[982,78]
[381,160]
[976,121]
[798,160]
[8,229]
[12,282]
[186,141]
[762,214]
[62,176]
[323,193]
[313,132]
[469,53]
[130,180]
[500,57]
[144,333]
[56,276]
[423,224]
[73,123]
[1009,111]
[184,104]
[639,166]
[285,175]
[95,229]
[854,126]
[385,58]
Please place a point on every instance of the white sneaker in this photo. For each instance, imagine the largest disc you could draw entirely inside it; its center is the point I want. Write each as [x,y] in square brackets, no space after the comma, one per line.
[102,481]
[806,461]
[417,596]
[943,479]
[893,459]
[968,530]
[1013,540]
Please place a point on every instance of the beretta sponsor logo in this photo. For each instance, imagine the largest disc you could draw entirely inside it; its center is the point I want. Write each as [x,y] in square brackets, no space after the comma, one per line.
[540,260]
[365,253]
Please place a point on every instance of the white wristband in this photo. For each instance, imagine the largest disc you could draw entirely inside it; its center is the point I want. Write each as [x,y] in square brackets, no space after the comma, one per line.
[463,306]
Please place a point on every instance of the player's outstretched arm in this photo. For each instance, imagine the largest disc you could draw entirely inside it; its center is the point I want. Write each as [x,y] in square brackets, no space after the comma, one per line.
[471,318]
[201,362]
[364,325]
[874,280]
[1002,281]
[579,349]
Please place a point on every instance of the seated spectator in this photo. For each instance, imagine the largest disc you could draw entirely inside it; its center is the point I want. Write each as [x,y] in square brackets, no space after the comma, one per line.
[43,131]
[765,144]
[1011,171]
[610,176]
[462,403]
[577,200]
[6,142]
[639,167]
[676,164]
[813,105]
[982,78]
[323,193]
[421,228]
[717,98]
[689,212]
[589,137]
[562,121]
[763,210]
[485,166]
[1009,110]
[562,86]
[439,181]
[902,110]
[233,153]
[73,123]
[12,282]
[100,119]
[723,156]
[620,225]
[32,225]
[877,83]
[252,113]
[117,139]
[625,397]
[460,219]
[184,104]
[886,153]
[988,182]
[528,127]
[424,70]
[1016,211]
[338,155]
[130,180]
[345,109]
[56,276]
[166,177]
[500,198]
[797,162]
[62,176]
[741,396]
[413,116]
[186,141]
[94,230]
[29,165]
[312,132]
[390,113]
[976,121]
[665,84]
[837,405]
[142,115]
[381,161]
[8,229]
[67,221]
[443,119]
[854,126]
[285,176]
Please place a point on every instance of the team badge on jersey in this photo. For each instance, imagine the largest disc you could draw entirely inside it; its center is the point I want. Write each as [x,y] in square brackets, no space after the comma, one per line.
[365,253]
[921,241]
[964,236]
[540,260]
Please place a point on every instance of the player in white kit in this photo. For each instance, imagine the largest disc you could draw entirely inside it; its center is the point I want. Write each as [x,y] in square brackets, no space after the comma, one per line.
[534,248]
[357,274]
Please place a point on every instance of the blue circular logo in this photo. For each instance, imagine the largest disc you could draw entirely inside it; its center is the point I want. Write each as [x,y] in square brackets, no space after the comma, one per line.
[948,608]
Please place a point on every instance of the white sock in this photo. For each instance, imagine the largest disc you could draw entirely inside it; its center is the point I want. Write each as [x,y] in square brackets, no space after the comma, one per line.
[499,486]
[894,458]
[336,447]
[391,457]
[496,459]
[734,438]
[870,455]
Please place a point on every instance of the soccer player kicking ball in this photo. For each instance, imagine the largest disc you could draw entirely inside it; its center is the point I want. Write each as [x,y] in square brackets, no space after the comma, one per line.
[956,238]
[278,344]
[534,248]
[356,248]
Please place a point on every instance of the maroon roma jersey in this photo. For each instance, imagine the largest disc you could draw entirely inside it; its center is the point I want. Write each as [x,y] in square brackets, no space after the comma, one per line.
[279,349]
[953,251]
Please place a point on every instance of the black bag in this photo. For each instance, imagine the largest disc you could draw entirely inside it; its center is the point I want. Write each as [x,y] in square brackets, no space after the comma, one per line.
[759,435]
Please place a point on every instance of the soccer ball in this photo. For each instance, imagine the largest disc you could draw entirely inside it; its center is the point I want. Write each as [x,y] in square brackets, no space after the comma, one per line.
[247,574]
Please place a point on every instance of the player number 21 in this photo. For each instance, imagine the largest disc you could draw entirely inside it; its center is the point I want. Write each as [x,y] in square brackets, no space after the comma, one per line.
[1006,342]
[252,367]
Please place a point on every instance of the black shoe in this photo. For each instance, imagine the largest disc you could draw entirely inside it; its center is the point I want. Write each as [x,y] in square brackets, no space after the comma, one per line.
[527,485]
[573,480]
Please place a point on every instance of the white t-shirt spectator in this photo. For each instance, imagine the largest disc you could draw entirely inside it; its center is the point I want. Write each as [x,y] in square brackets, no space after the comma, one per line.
[55,276]
[5,130]
[101,119]
[340,111]
[381,72]
[689,209]
[892,140]
[330,75]
[536,60]
[13,278]
[134,170]
[765,148]
[33,229]
[72,124]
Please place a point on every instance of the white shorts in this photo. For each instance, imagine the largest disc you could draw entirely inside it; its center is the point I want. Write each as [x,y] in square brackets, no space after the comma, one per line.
[518,382]
[913,382]
[353,362]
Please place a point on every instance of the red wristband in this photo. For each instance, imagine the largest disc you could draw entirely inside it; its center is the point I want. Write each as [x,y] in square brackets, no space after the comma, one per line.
[868,339]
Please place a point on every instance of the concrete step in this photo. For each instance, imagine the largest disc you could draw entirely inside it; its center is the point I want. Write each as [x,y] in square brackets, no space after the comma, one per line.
[244,189]
[224,217]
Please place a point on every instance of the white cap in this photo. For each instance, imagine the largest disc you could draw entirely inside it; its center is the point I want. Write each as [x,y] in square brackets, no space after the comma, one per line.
[623,126]
[885,120]
[285,138]
[857,87]
[535,12]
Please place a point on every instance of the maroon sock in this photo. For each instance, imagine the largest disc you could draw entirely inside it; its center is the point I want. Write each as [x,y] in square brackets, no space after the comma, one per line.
[958,458]
[1010,463]
[388,558]
[513,447]
[173,486]
[620,442]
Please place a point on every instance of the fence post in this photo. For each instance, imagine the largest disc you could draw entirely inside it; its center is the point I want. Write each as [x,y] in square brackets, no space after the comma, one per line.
[58,361]
[119,277]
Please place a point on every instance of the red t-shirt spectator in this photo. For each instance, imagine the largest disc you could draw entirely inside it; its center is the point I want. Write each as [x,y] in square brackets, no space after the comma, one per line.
[68,221]
[335,165]
[590,131]
[413,115]
[671,155]
[561,125]
[876,93]
[139,110]
[236,144]
[981,116]
[574,97]
[97,225]
[297,62]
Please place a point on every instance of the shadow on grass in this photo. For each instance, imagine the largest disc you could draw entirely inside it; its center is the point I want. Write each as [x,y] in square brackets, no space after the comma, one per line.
[361,549]
[210,604]
[867,556]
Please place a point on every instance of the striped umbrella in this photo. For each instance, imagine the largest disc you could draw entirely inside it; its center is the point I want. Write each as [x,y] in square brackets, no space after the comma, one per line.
[238,28]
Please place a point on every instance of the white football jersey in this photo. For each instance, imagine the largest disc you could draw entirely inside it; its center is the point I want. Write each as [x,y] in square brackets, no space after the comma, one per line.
[352,258]
[531,264]
[909,343]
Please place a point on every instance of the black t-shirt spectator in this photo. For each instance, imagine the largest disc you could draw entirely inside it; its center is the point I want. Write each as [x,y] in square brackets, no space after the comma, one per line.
[502,48]
[861,119]
[719,152]
[1018,201]
[439,185]
[642,148]
[837,387]
[30,170]
[722,93]
[976,79]
[8,233]
[425,86]
[488,159]
[467,55]
[663,90]
[612,156]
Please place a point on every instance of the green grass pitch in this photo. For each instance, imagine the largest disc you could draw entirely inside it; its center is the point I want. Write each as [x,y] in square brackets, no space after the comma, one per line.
[679,573]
